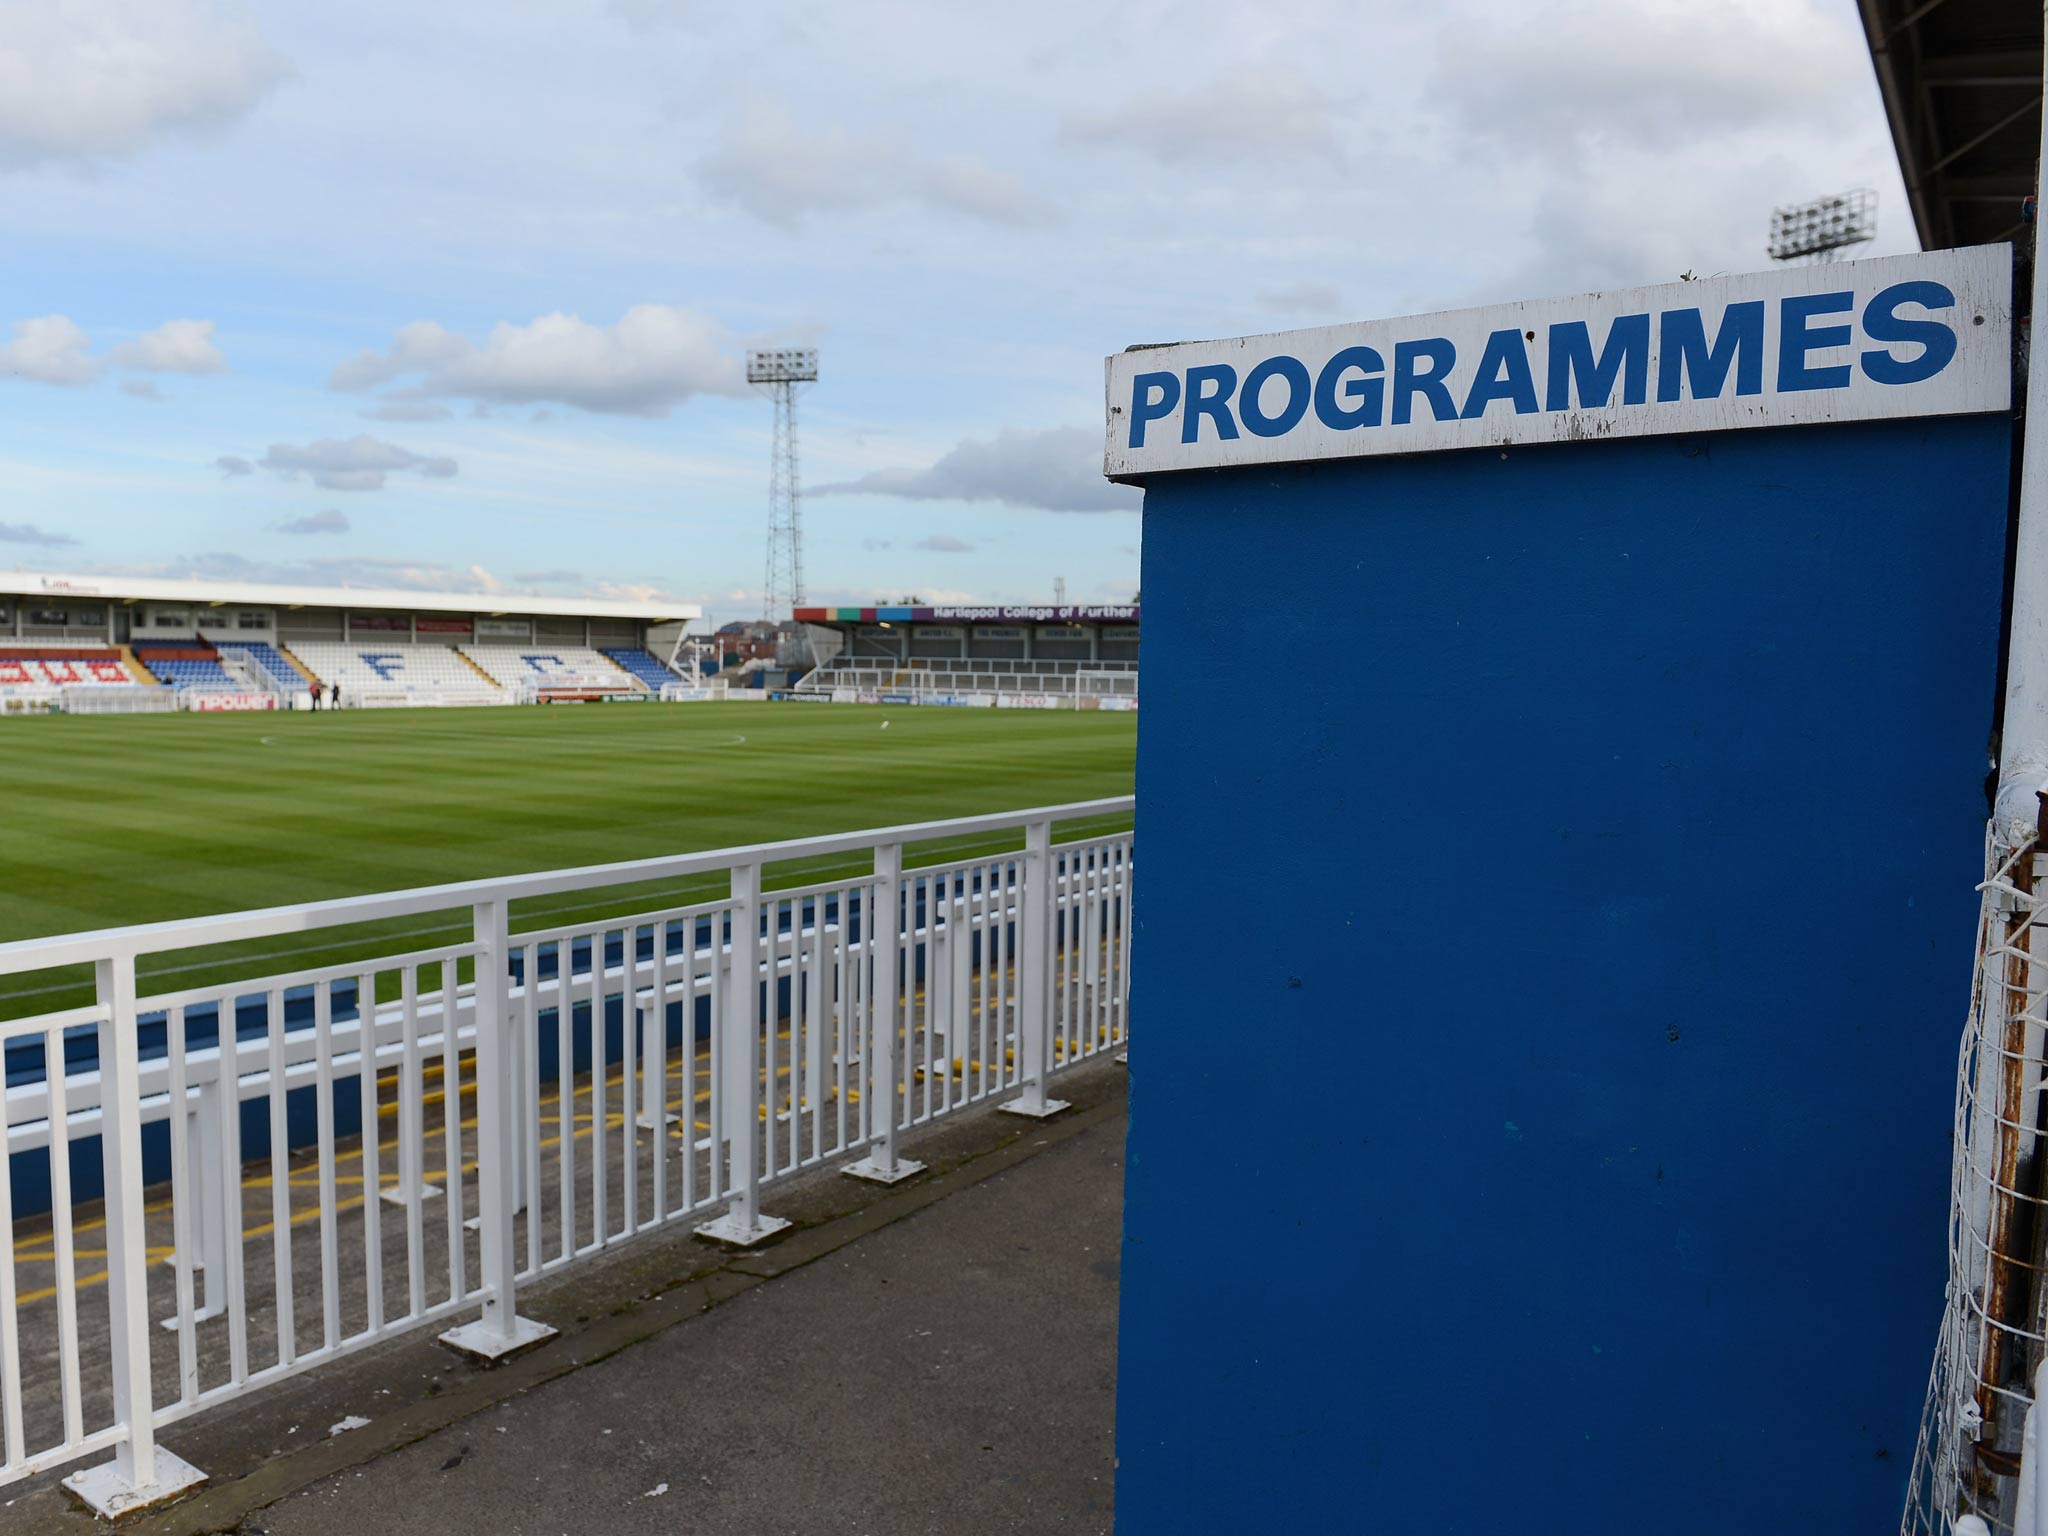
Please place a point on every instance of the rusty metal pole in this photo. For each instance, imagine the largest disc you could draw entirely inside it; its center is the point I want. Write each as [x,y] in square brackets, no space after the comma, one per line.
[2011,1302]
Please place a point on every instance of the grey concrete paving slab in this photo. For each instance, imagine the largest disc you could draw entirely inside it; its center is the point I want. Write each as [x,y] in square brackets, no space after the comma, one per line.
[953,1371]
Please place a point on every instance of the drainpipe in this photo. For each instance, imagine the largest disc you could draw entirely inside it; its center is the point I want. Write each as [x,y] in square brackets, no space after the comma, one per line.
[2023,747]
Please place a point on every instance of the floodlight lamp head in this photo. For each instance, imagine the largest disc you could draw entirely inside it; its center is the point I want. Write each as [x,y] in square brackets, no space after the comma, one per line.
[1823,226]
[783,365]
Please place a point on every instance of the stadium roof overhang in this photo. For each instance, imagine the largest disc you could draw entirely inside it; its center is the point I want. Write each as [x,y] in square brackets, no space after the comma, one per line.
[1045,613]
[119,589]
[1961,81]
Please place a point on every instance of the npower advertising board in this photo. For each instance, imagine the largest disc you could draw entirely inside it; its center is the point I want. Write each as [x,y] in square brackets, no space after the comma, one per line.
[1923,335]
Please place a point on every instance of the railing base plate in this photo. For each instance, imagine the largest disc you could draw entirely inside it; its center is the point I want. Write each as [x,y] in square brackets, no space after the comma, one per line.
[202,1315]
[474,1342]
[646,1122]
[728,1231]
[1122,1058]
[101,1490]
[397,1196]
[868,1169]
[1043,1111]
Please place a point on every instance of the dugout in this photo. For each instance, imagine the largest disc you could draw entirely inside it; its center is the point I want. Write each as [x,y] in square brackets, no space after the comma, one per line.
[1561,1139]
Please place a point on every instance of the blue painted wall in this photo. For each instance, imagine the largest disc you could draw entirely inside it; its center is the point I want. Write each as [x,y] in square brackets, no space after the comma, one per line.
[1561,1128]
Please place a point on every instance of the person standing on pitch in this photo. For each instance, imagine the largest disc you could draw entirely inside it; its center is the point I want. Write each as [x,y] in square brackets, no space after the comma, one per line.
[334,696]
[315,691]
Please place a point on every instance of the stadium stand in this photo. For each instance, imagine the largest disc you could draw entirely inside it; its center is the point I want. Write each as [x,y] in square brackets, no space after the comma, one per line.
[266,659]
[91,679]
[63,667]
[1027,656]
[188,665]
[919,677]
[573,671]
[398,672]
[640,663]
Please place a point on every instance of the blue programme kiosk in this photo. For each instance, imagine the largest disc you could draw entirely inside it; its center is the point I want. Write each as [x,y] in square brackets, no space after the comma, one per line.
[1557,912]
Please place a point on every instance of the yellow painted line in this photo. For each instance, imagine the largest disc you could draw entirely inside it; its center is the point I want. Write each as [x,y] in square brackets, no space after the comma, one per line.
[309,1177]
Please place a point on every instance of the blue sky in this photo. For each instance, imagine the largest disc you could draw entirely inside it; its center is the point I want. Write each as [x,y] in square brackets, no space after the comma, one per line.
[456,294]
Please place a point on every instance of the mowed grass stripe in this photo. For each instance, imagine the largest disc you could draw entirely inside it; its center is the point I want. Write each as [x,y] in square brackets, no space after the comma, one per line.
[115,820]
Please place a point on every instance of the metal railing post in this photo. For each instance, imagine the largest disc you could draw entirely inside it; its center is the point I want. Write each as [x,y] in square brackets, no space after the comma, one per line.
[207,1245]
[412,1179]
[884,933]
[500,1331]
[743,1225]
[653,1024]
[1037,895]
[142,1473]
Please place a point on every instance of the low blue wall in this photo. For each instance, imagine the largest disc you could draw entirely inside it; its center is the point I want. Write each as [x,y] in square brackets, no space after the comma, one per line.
[24,1060]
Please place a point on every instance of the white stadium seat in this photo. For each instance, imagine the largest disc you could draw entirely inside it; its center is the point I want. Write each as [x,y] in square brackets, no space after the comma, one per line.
[543,667]
[398,672]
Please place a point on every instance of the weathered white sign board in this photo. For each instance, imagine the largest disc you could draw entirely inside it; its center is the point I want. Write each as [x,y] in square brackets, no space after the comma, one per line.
[1923,335]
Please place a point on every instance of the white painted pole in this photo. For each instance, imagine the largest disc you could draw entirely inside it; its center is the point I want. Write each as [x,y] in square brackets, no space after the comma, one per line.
[743,1048]
[885,938]
[1038,892]
[882,928]
[127,1243]
[743,1094]
[2023,748]
[500,1331]
[497,1151]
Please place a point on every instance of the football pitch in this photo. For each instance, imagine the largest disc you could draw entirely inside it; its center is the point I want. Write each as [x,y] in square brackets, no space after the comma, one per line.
[110,820]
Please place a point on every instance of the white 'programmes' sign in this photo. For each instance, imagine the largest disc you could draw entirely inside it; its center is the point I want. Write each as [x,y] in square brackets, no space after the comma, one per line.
[1924,335]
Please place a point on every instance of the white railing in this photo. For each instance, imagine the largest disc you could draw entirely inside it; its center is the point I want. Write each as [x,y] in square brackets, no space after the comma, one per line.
[598,1079]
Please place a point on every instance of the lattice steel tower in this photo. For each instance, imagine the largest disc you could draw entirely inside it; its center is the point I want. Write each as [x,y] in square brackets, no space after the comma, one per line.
[779,375]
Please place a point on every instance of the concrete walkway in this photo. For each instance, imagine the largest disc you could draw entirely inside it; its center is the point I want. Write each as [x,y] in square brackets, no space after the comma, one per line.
[955,1371]
[936,1356]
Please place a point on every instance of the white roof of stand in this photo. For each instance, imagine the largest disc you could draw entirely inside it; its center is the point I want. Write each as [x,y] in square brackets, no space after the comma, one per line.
[131,589]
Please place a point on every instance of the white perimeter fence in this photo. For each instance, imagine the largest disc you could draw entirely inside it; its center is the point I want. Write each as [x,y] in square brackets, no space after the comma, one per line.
[596,1082]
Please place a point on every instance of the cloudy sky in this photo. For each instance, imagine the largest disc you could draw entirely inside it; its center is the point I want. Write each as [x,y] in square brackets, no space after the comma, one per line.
[457,293]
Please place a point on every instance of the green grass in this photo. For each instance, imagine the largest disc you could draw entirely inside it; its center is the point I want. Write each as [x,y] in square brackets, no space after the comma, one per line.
[113,820]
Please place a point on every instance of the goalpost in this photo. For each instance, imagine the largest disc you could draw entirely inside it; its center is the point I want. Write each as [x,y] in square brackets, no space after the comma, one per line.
[1102,689]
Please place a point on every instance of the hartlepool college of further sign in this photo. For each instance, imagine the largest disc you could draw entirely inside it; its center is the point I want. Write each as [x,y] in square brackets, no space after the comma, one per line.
[1926,335]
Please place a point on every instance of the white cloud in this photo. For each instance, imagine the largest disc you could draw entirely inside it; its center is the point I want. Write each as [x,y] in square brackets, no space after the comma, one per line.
[1058,470]
[93,80]
[176,346]
[232,464]
[653,359]
[399,406]
[359,463]
[1648,74]
[647,15]
[29,533]
[322,571]
[944,544]
[1302,299]
[141,389]
[783,172]
[1260,117]
[628,592]
[49,350]
[328,521]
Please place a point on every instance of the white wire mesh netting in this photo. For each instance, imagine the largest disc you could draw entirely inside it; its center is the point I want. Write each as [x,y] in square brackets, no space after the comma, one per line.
[1968,1458]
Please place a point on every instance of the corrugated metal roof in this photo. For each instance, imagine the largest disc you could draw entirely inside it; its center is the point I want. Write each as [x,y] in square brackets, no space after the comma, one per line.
[1961,81]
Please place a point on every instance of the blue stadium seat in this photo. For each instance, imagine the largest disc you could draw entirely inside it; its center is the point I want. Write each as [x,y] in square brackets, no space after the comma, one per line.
[262,654]
[187,671]
[640,664]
